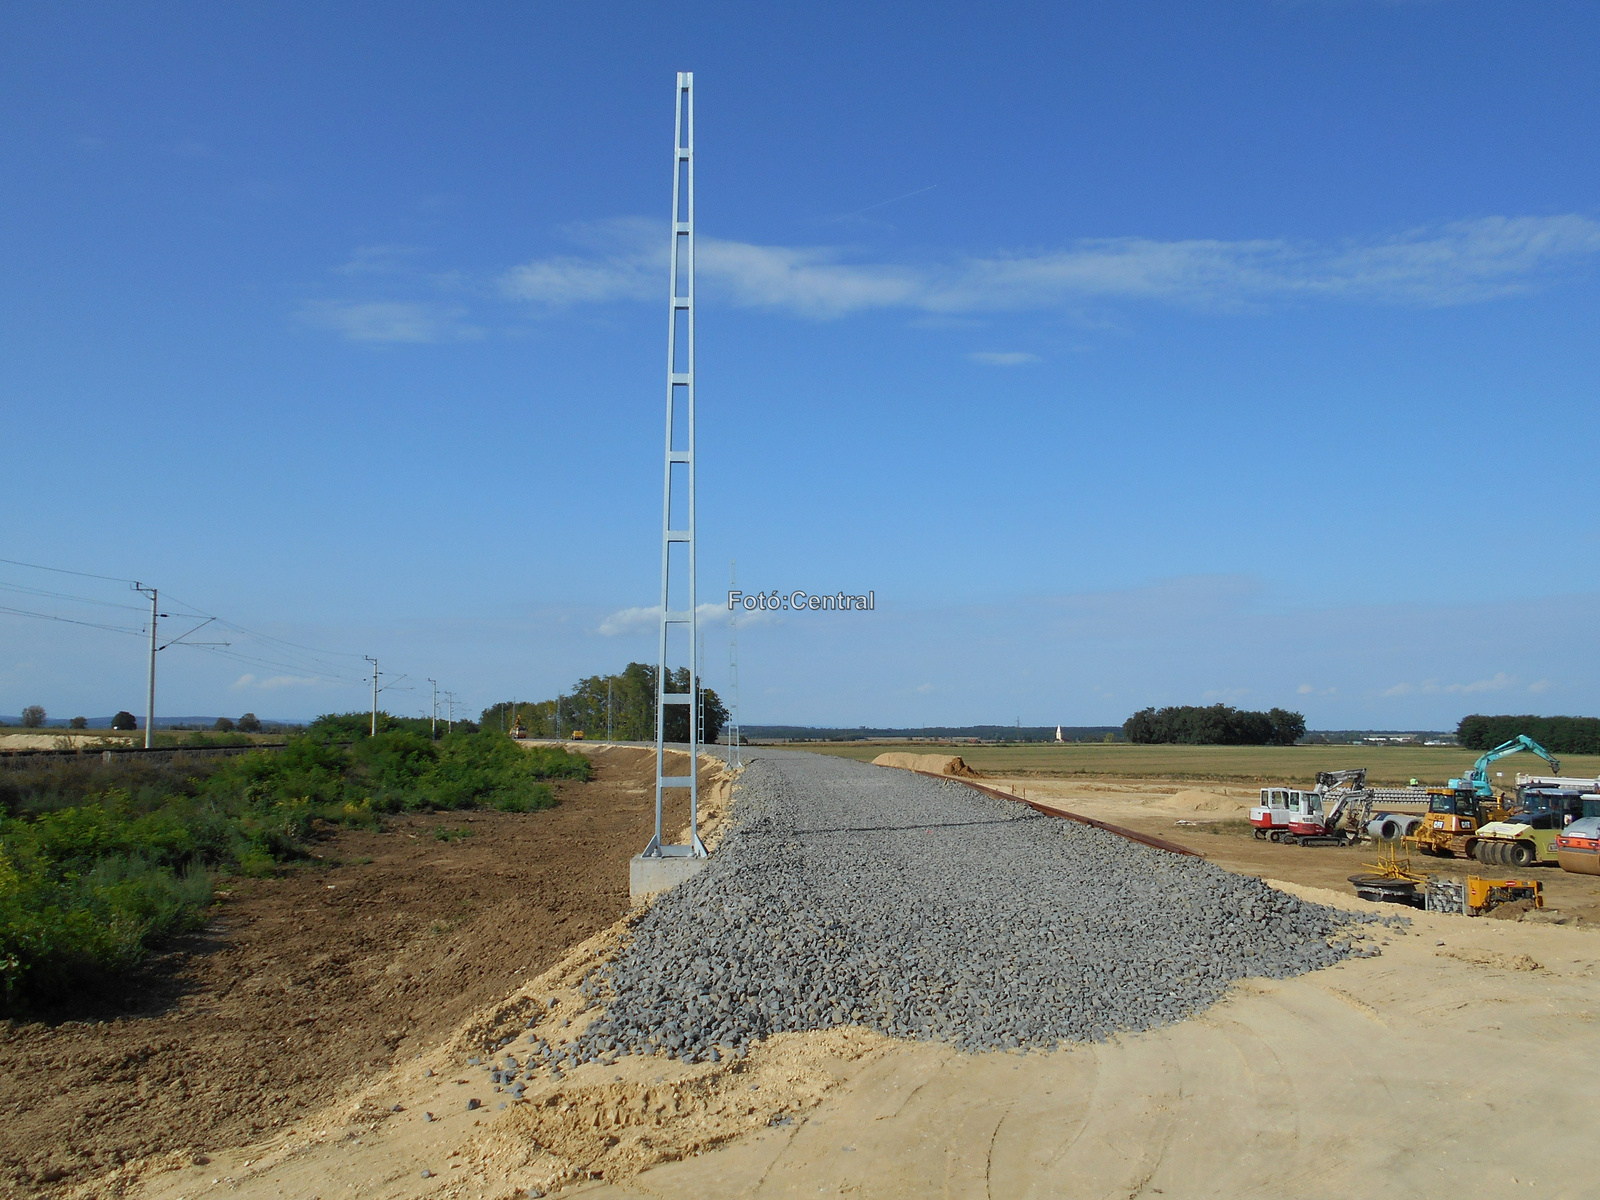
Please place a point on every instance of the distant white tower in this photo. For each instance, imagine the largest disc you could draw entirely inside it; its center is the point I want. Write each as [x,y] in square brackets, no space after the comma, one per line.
[1059,738]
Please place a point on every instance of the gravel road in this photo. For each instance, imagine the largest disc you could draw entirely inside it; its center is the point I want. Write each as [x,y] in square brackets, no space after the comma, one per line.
[852,894]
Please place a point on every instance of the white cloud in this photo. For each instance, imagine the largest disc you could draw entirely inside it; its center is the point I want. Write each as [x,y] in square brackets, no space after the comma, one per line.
[630,620]
[1539,685]
[1499,682]
[645,620]
[1305,689]
[1458,263]
[283,681]
[391,321]
[387,258]
[1003,358]
[925,688]
[274,682]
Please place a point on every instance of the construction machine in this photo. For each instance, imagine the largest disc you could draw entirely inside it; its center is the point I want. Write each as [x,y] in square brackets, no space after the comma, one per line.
[1452,821]
[1577,796]
[1313,818]
[1520,839]
[1578,847]
[1475,895]
[1477,780]
[1336,813]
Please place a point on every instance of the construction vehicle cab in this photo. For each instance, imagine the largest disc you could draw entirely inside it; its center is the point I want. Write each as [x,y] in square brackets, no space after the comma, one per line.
[1283,809]
[1451,824]
[1308,817]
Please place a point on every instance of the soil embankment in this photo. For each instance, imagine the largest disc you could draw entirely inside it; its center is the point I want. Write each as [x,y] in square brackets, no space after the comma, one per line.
[932,764]
[303,986]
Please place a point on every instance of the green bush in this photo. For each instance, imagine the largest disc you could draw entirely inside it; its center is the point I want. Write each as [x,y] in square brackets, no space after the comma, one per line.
[99,861]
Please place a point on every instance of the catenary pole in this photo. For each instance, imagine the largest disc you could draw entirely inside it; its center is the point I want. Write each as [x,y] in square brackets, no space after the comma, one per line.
[433,724]
[678,489]
[374,663]
[150,697]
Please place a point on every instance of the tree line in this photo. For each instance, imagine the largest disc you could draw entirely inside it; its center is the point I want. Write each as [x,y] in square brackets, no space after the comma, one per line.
[1214,725]
[1559,735]
[628,697]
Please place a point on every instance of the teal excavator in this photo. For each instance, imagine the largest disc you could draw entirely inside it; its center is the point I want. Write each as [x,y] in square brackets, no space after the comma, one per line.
[1477,779]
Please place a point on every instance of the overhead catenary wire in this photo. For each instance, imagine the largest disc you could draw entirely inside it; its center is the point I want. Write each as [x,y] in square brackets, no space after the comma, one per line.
[63,571]
[49,595]
[22,612]
[313,663]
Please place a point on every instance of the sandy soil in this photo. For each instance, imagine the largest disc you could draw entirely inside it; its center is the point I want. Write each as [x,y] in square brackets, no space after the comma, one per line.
[1210,820]
[1463,1061]
[59,739]
[933,764]
[304,988]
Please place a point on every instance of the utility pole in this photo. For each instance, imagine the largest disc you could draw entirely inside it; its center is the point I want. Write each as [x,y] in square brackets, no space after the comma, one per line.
[678,528]
[433,724]
[451,698]
[374,663]
[734,757]
[150,698]
[609,682]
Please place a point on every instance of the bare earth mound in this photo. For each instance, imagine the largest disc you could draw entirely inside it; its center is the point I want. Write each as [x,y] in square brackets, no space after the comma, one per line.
[934,764]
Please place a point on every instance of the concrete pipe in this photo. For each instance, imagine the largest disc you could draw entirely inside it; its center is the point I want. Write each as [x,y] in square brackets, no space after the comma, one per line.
[1385,827]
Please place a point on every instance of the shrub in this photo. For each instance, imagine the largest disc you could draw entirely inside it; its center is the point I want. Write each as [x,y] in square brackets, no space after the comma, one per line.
[78,723]
[99,861]
[124,720]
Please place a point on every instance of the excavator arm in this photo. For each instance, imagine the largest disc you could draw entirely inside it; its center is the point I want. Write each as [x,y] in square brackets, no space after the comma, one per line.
[1478,778]
[1356,778]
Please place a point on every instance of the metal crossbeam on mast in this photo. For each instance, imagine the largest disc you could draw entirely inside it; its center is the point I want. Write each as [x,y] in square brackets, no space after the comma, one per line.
[677,505]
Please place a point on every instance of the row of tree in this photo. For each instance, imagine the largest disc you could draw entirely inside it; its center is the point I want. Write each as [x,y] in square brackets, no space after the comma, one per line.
[624,703]
[1559,735]
[1214,725]
[33,717]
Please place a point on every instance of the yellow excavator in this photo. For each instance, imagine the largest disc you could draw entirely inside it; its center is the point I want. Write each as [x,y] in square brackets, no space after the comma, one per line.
[1458,812]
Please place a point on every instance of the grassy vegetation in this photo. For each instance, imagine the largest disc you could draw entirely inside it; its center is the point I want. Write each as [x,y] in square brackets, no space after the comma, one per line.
[1386,765]
[98,861]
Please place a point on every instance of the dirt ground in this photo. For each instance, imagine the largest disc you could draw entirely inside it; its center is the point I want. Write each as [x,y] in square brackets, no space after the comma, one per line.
[303,987]
[1213,821]
[1462,1061]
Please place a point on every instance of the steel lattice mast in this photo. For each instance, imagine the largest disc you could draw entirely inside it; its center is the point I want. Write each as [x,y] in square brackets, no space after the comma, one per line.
[678,489]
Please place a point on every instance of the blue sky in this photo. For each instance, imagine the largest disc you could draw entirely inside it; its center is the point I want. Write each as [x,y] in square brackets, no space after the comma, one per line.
[1130,354]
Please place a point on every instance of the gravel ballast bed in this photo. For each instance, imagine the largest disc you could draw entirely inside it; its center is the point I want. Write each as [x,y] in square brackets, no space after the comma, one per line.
[853,894]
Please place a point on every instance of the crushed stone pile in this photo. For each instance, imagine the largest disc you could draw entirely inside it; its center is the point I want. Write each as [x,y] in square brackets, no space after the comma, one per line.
[847,894]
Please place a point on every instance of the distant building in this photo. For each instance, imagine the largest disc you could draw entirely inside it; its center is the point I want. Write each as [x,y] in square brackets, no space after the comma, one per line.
[1059,738]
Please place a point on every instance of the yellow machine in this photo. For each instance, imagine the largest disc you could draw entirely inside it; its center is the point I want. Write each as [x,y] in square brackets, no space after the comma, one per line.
[1453,819]
[577,735]
[1484,894]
